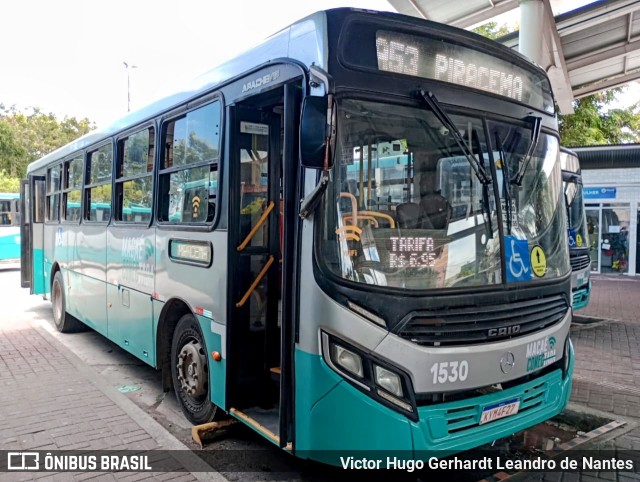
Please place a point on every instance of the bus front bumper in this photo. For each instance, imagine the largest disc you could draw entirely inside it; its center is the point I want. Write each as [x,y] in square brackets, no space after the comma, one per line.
[345,422]
[581,297]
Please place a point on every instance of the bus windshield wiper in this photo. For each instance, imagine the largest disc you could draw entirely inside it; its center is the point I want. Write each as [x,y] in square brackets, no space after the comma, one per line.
[506,184]
[485,187]
[535,136]
[446,121]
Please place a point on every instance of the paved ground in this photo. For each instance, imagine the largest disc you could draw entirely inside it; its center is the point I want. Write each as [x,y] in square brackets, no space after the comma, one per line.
[606,338]
[65,402]
[614,298]
[49,399]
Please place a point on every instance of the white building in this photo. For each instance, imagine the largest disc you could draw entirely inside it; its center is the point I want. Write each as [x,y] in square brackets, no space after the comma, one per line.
[611,178]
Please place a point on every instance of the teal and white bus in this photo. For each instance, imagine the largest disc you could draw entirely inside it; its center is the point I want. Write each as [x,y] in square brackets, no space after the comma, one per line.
[577,235]
[9,226]
[281,275]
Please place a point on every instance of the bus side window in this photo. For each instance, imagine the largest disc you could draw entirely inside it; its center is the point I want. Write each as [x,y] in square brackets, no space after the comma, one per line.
[72,184]
[98,189]
[134,177]
[5,213]
[53,193]
[189,170]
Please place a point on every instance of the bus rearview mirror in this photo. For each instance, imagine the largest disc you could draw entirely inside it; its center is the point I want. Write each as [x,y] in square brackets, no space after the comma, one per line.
[315,134]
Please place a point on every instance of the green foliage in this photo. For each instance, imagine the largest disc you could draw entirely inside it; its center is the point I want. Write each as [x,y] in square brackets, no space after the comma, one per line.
[26,136]
[8,183]
[492,30]
[594,122]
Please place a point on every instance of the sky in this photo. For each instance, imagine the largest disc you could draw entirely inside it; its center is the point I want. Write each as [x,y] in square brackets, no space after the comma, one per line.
[67,56]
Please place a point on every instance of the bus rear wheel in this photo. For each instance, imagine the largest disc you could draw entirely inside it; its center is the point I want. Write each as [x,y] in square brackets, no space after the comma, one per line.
[190,372]
[64,322]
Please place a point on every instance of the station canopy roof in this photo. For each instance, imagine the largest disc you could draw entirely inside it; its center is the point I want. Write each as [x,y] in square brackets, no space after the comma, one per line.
[584,51]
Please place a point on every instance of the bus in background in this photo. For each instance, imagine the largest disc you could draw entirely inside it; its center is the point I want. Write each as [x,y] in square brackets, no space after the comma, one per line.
[352,237]
[9,226]
[577,229]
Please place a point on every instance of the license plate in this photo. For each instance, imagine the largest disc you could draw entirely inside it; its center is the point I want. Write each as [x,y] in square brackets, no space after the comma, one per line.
[500,410]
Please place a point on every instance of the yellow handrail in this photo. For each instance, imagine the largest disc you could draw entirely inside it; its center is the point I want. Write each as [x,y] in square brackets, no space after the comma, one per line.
[392,223]
[255,282]
[354,205]
[362,218]
[260,222]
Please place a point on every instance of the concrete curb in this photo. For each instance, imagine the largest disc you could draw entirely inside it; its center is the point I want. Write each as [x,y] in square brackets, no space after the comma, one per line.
[203,471]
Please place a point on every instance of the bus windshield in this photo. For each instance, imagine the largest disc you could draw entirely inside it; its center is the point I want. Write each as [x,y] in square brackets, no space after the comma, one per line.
[532,210]
[405,208]
[575,212]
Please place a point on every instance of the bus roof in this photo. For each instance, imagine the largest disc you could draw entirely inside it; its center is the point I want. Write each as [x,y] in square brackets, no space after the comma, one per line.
[304,41]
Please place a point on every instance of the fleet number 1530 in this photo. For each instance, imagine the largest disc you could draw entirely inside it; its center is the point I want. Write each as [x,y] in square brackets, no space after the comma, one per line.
[451,371]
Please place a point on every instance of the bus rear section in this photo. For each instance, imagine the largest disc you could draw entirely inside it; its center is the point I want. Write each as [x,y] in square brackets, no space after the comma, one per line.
[9,226]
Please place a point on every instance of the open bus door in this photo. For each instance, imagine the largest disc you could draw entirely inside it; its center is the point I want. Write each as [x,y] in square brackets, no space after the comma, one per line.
[26,260]
[32,205]
[263,177]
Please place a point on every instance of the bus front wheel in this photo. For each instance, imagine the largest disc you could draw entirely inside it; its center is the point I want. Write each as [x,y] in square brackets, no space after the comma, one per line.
[64,322]
[190,371]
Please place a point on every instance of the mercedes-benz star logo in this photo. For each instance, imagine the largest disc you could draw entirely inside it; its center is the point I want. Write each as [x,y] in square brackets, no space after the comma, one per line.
[507,362]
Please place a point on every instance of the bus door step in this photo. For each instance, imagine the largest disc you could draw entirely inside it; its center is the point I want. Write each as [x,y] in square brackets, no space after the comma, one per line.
[210,431]
[267,426]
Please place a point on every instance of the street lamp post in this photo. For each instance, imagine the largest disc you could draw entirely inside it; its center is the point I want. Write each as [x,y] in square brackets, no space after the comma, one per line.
[128,67]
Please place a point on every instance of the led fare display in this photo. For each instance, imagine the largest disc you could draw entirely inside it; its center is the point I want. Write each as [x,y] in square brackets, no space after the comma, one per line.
[439,60]
[411,252]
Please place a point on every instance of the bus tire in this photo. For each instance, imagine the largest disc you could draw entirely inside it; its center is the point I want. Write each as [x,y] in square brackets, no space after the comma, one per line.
[190,371]
[64,322]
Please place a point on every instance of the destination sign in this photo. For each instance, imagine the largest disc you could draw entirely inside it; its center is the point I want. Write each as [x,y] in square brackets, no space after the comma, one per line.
[437,59]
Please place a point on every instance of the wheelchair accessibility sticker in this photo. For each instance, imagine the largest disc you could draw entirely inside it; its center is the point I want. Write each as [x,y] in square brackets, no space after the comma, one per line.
[573,241]
[517,259]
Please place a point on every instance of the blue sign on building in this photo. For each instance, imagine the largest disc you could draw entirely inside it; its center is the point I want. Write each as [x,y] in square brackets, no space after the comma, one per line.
[599,193]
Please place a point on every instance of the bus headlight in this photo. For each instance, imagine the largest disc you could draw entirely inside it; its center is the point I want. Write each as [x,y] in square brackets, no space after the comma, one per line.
[378,378]
[348,360]
[388,380]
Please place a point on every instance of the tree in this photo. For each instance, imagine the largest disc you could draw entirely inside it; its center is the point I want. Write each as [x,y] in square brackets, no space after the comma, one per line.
[595,122]
[492,30]
[7,183]
[26,136]
[11,151]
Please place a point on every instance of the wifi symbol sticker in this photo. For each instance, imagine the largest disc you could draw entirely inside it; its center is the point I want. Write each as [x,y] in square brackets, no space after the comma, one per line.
[350,233]
[195,202]
[552,342]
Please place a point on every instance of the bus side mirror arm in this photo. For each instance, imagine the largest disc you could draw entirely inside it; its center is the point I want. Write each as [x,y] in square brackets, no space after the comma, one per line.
[310,203]
[568,176]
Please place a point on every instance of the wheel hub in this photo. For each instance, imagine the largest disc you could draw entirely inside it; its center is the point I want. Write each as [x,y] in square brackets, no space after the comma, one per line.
[190,367]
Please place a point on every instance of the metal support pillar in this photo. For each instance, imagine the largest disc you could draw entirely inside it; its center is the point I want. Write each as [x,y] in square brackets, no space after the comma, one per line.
[532,30]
